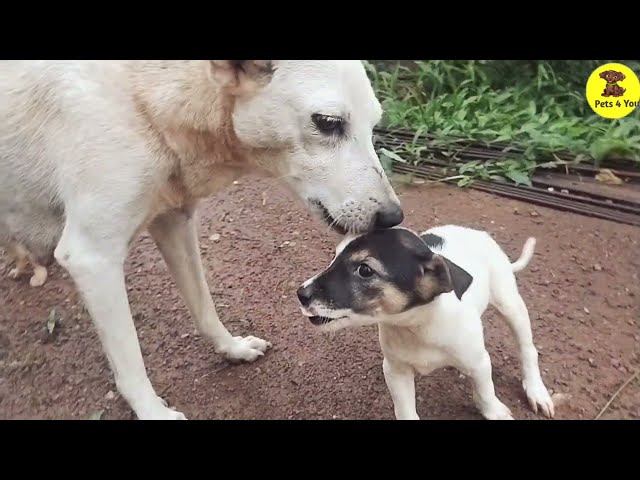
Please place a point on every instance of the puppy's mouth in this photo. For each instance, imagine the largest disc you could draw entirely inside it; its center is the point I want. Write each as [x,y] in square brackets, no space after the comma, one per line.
[328,218]
[318,320]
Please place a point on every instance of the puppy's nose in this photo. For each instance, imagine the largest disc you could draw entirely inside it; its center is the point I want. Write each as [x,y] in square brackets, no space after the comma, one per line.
[389,217]
[304,295]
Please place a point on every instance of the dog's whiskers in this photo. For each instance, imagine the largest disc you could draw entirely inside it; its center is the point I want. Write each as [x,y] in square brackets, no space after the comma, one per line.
[281,177]
[335,222]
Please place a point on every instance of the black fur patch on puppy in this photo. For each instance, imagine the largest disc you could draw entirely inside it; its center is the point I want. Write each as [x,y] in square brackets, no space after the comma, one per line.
[432,240]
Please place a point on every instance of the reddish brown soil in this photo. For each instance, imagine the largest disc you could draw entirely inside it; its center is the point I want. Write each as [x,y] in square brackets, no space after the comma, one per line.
[582,289]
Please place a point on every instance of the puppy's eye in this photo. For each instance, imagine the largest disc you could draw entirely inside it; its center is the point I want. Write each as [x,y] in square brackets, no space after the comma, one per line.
[365,271]
[328,124]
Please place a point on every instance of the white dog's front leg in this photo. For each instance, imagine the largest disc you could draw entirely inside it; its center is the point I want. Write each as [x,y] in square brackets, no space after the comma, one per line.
[400,380]
[96,266]
[175,233]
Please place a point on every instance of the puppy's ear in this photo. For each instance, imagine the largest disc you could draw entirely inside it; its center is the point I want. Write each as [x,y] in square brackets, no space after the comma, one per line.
[441,275]
[604,74]
[240,77]
[621,76]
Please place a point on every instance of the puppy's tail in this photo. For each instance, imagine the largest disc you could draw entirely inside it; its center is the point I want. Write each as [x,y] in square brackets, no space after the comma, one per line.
[525,256]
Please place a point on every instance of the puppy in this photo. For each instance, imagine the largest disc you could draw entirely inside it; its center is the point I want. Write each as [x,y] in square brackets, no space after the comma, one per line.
[22,258]
[426,293]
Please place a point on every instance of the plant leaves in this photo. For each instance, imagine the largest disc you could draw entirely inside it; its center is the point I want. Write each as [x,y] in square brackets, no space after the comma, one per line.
[392,155]
[518,177]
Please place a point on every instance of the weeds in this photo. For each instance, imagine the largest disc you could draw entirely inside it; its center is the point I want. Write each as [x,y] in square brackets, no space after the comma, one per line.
[538,106]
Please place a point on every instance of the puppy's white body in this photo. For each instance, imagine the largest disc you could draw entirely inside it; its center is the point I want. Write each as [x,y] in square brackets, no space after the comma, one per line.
[93,152]
[428,304]
[449,331]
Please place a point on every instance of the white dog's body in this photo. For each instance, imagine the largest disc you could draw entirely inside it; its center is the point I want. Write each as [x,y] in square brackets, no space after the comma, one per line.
[449,333]
[93,152]
[423,323]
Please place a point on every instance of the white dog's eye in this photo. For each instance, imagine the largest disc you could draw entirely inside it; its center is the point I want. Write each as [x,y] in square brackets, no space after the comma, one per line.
[328,124]
[365,271]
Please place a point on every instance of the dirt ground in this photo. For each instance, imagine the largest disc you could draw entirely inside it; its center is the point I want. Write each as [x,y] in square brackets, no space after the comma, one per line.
[582,289]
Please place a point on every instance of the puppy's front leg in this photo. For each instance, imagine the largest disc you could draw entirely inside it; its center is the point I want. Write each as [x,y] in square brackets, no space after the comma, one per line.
[175,234]
[400,380]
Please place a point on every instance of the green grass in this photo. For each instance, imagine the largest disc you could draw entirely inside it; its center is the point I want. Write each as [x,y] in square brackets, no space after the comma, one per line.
[539,106]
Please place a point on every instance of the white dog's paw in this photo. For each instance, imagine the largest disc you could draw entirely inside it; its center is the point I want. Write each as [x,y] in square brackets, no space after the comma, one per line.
[497,411]
[160,411]
[15,273]
[246,349]
[174,415]
[538,396]
[37,280]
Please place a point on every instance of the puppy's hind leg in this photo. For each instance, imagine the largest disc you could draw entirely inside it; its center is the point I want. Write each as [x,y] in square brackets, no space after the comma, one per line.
[478,367]
[175,234]
[507,300]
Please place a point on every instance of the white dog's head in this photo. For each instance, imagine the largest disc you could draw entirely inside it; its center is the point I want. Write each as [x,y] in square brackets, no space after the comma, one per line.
[311,122]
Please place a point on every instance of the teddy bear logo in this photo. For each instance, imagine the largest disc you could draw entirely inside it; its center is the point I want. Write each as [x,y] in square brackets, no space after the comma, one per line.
[612,78]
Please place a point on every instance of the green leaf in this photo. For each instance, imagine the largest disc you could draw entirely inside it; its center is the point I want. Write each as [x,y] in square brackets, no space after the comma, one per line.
[463,182]
[468,166]
[392,155]
[387,163]
[461,114]
[518,177]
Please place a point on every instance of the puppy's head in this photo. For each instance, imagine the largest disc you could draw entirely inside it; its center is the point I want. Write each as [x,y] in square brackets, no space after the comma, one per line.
[376,277]
[310,123]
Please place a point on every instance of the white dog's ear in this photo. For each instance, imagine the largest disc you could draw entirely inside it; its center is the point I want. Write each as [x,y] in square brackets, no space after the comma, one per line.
[441,275]
[241,77]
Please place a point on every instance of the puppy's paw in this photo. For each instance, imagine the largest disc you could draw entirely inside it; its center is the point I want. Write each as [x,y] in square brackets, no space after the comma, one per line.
[246,349]
[538,396]
[497,411]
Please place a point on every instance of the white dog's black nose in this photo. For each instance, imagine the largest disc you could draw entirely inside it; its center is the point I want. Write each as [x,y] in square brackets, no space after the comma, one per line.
[305,294]
[389,217]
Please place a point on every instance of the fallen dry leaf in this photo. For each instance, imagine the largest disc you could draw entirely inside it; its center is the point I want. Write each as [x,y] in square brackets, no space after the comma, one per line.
[51,321]
[96,415]
[608,177]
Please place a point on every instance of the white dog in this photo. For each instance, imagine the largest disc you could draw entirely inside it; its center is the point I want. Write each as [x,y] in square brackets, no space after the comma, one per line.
[427,293]
[93,152]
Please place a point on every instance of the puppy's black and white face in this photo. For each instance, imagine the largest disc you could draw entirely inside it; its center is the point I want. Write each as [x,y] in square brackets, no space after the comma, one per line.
[377,276]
